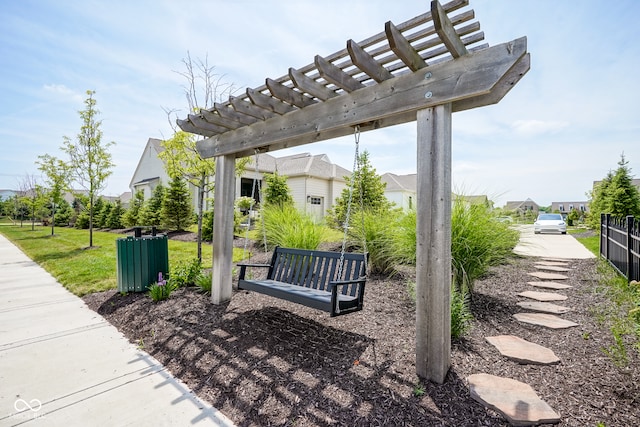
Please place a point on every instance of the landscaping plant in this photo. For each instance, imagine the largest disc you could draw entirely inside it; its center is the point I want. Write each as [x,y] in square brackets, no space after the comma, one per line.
[285,226]
[161,290]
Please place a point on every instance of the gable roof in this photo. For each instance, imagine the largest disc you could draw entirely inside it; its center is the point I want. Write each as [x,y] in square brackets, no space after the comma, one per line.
[153,144]
[400,182]
[303,164]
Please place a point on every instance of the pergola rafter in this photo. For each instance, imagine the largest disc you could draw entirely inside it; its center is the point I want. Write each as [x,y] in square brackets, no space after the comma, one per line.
[420,70]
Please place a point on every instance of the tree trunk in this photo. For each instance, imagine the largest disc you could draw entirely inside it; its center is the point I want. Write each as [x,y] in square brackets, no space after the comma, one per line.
[200,213]
[91,220]
[53,219]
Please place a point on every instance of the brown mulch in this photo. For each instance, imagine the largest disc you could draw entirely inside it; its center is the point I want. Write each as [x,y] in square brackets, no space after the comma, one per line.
[263,361]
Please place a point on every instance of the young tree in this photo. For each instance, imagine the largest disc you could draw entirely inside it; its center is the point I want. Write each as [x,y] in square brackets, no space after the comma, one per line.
[57,175]
[277,191]
[151,211]
[114,220]
[615,194]
[89,158]
[176,206]
[132,215]
[368,192]
[33,198]
[101,218]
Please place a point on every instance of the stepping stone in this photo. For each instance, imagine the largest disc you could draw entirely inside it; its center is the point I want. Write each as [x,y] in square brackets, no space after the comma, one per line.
[553,263]
[551,268]
[544,307]
[542,319]
[550,276]
[516,401]
[523,351]
[554,259]
[550,285]
[543,296]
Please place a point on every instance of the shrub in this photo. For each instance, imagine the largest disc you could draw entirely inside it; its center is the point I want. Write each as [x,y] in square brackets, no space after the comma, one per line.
[185,273]
[285,226]
[379,233]
[478,241]
[161,290]
[203,281]
[460,310]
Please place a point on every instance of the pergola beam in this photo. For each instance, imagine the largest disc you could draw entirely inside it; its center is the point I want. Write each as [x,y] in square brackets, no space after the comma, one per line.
[310,86]
[386,103]
[367,63]
[335,75]
[288,95]
[402,48]
[446,32]
[250,109]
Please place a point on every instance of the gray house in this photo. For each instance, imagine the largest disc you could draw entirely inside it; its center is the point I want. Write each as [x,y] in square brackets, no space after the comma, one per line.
[315,181]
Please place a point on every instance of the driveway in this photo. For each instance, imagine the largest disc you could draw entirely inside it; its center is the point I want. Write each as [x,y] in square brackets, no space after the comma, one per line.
[549,245]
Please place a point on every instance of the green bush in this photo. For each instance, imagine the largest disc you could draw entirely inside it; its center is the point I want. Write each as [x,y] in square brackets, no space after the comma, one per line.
[478,241]
[379,233]
[185,273]
[285,226]
[460,310]
[161,290]
[204,281]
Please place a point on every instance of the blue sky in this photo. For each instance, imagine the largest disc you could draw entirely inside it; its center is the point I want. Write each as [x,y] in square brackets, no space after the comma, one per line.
[563,126]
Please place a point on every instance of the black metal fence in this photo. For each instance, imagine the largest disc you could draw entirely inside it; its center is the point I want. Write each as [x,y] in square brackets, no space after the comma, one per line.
[620,244]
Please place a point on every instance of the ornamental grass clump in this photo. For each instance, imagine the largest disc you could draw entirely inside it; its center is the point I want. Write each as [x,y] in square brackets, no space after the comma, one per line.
[285,226]
[161,290]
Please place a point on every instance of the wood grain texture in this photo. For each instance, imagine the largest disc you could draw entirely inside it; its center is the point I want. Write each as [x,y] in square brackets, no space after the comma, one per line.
[269,103]
[308,85]
[367,63]
[250,109]
[288,95]
[227,112]
[446,32]
[335,75]
[402,48]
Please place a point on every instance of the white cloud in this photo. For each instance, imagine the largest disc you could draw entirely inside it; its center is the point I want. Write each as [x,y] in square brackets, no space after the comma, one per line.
[537,127]
[63,93]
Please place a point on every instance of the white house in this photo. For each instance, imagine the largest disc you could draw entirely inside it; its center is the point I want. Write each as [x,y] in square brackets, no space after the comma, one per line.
[314,181]
[401,189]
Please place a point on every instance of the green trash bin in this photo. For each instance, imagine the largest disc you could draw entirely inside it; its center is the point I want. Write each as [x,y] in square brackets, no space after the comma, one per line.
[139,260]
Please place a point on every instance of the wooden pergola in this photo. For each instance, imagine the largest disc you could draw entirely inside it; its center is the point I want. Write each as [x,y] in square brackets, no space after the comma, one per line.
[420,70]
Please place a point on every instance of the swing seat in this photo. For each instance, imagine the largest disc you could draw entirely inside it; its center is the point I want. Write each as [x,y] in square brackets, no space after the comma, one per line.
[309,278]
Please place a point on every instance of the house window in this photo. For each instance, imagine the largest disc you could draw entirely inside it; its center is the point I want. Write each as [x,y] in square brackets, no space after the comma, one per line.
[249,187]
[582,208]
[570,208]
[561,208]
[315,201]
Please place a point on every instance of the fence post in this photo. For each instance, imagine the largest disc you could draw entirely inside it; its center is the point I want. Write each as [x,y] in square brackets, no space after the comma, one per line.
[607,220]
[629,246]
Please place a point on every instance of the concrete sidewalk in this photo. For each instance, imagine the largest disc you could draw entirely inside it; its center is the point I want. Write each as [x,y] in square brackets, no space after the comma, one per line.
[549,245]
[63,364]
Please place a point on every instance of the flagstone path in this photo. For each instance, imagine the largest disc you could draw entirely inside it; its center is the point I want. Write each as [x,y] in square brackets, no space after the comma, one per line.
[516,401]
[550,285]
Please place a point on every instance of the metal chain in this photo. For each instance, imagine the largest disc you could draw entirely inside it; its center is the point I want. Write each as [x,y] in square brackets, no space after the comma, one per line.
[356,164]
[253,200]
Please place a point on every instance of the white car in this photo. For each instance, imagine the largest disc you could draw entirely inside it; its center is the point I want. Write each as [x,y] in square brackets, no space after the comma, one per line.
[548,222]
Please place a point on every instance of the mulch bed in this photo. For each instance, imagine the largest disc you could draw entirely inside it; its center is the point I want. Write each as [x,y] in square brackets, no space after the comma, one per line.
[263,361]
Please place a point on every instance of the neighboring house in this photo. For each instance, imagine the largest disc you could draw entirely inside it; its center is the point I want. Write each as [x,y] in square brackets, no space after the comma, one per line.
[522,206]
[150,170]
[566,207]
[635,182]
[401,189]
[314,181]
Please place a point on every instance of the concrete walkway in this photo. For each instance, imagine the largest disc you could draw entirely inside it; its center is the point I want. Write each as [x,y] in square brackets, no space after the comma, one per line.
[561,246]
[63,364]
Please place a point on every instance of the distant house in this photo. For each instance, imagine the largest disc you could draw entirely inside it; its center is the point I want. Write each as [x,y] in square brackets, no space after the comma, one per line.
[566,207]
[522,206]
[402,189]
[7,194]
[314,181]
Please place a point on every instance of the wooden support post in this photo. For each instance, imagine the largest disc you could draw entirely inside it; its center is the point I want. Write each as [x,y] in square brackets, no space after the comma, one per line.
[224,195]
[433,269]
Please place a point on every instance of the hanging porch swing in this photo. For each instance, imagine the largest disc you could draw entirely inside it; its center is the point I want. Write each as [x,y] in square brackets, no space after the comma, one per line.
[333,282]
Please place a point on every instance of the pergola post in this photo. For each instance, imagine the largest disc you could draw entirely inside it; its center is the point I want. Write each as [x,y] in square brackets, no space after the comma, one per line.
[223,205]
[433,252]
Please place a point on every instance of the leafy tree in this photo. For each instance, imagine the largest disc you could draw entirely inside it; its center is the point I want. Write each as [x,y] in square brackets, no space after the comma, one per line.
[114,220]
[102,216]
[58,176]
[63,213]
[89,157]
[176,206]
[33,197]
[368,192]
[277,191]
[131,216]
[615,194]
[151,211]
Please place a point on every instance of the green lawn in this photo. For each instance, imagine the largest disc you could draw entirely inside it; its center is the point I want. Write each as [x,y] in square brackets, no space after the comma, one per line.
[81,270]
[592,243]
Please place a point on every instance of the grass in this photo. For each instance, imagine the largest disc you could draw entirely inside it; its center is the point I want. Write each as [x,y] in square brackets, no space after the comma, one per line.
[79,269]
[592,243]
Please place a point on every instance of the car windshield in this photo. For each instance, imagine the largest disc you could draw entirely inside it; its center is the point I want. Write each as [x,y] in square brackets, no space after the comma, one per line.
[550,217]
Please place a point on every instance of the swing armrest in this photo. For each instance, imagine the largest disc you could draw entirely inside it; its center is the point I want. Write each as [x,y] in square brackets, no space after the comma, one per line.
[243,268]
[334,284]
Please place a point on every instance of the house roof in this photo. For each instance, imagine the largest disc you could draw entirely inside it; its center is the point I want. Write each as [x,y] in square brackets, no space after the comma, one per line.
[152,144]
[304,164]
[514,205]
[400,182]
